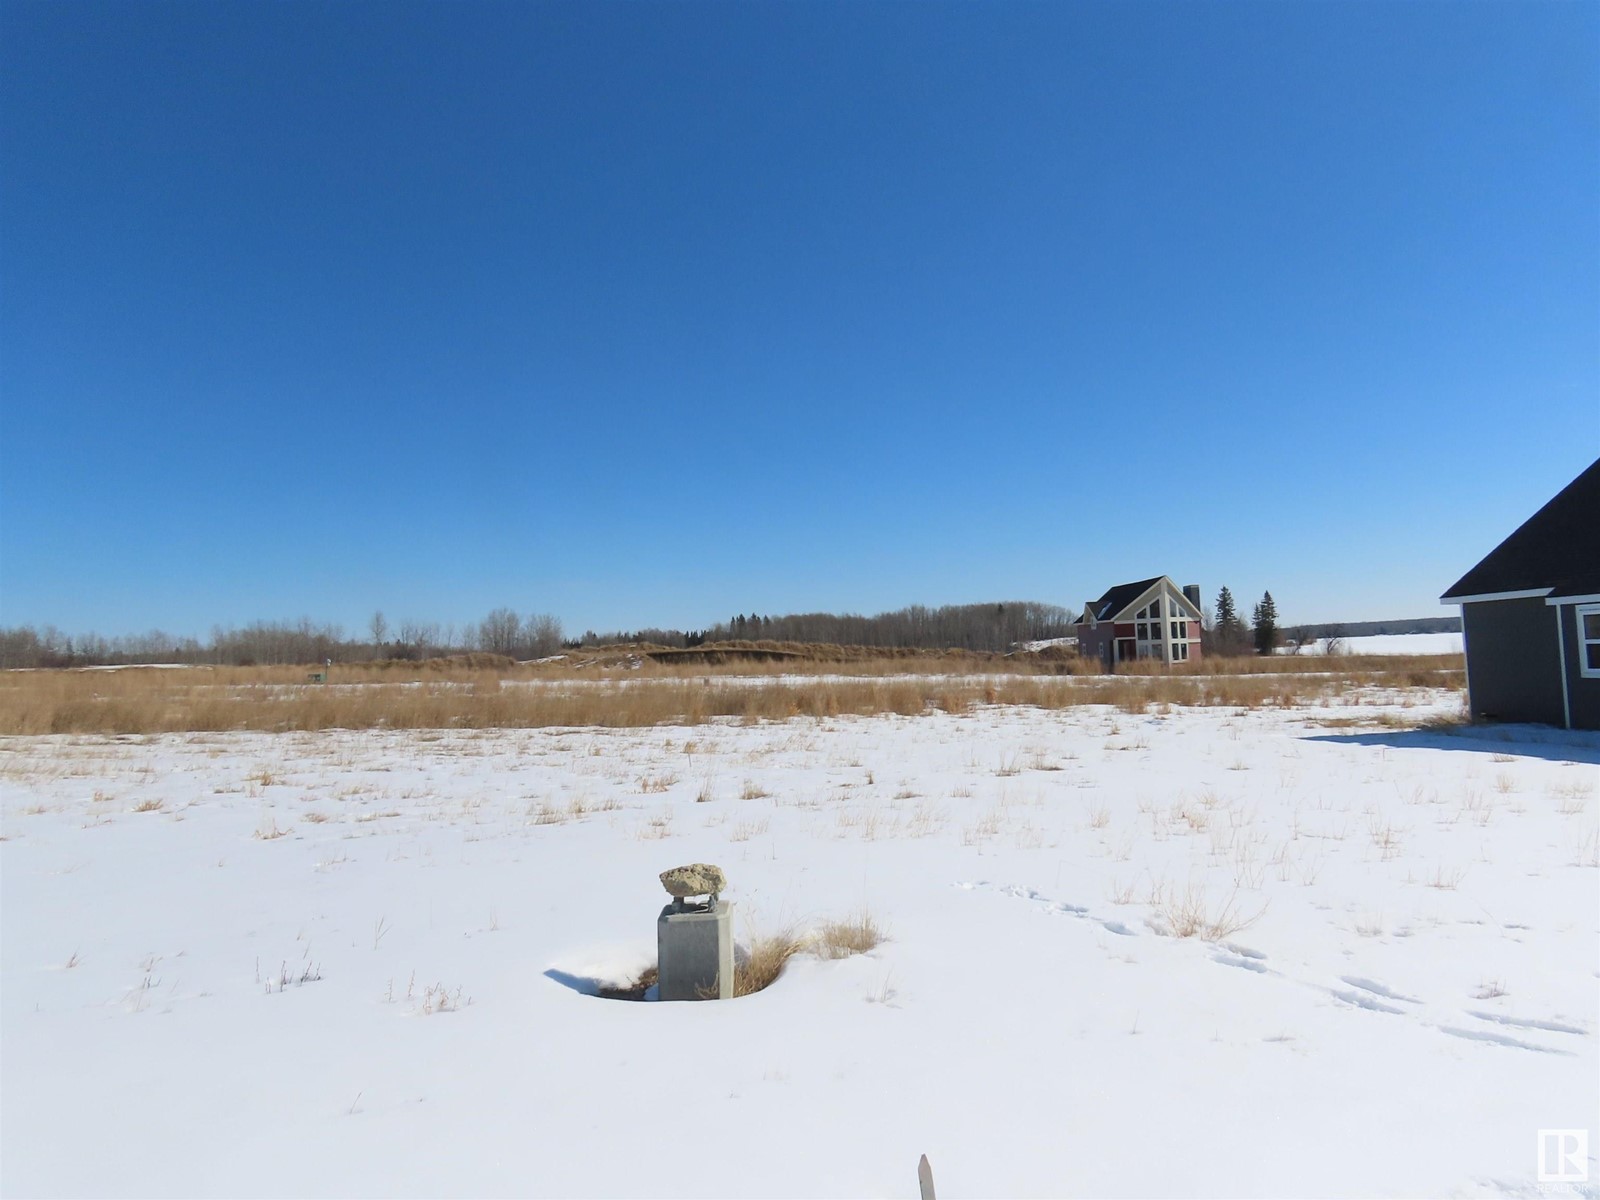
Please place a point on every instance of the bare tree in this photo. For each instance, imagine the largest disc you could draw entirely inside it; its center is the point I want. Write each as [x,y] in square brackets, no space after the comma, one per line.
[418,639]
[541,634]
[500,632]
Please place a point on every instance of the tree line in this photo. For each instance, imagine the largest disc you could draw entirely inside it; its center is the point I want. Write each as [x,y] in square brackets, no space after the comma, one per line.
[982,627]
[280,643]
[994,627]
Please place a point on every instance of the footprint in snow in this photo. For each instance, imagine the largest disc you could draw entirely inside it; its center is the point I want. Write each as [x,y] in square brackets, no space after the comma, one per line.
[1365,1000]
[1525,1023]
[1053,907]
[1244,951]
[1499,1039]
[1377,989]
[1243,962]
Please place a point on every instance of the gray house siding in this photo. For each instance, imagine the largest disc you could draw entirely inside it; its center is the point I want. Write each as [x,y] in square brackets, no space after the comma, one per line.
[1095,642]
[1583,695]
[1513,663]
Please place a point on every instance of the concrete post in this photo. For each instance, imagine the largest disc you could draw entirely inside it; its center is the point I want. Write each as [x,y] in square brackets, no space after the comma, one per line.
[694,948]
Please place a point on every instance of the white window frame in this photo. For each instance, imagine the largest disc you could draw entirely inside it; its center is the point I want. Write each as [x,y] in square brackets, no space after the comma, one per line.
[1158,642]
[1584,643]
[1152,619]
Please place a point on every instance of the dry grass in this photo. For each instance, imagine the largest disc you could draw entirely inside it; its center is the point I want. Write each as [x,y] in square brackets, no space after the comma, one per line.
[268,831]
[1446,879]
[1192,913]
[856,934]
[438,998]
[277,699]
[745,830]
[766,954]
[764,959]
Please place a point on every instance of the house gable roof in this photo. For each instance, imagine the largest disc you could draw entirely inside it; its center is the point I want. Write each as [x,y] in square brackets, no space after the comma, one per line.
[1555,552]
[1112,605]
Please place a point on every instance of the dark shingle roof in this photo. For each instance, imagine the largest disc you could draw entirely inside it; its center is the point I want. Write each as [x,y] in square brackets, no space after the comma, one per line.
[1558,548]
[1118,598]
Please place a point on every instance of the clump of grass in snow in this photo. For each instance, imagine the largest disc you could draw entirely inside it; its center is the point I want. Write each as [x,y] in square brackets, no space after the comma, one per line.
[856,934]
[745,830]
[1192,914]
[269,831]
[656,828]
[764,959]
[764,956]
[547,814]
[437,998]
[767,954]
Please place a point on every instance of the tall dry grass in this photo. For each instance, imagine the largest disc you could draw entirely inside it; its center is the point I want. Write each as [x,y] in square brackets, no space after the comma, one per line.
[280,699]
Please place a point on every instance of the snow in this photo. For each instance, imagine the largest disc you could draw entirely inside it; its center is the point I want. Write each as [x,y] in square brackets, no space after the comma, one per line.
[1389,644]
[1415,999]
[116,667]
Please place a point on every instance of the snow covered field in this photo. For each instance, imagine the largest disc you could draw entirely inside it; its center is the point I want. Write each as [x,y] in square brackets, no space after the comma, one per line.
[1389,644]
[390,998]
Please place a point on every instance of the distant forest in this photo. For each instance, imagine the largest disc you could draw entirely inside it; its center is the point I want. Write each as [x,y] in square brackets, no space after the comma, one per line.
[1375,628]
[994,628]
[991,627]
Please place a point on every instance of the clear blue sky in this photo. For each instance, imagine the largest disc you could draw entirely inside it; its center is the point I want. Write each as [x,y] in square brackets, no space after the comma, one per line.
[650,313]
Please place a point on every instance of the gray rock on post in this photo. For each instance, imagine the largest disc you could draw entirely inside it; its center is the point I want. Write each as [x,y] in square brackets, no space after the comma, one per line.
[696,879]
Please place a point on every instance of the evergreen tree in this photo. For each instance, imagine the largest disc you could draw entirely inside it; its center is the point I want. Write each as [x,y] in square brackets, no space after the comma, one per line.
[1229,633]
[1266,627]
